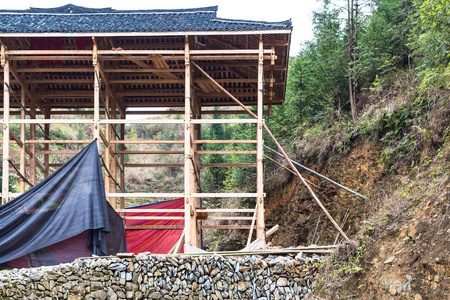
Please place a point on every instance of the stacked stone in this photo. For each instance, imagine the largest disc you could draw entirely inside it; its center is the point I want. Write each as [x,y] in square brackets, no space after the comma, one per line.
[147,276]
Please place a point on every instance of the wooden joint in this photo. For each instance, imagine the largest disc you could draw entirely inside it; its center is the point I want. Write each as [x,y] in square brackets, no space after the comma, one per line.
[94,52]
[3,55]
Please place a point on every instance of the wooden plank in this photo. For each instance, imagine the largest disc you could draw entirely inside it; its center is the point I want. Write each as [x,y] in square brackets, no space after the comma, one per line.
[225,195]
[272,230]
[225,210]
[153,218]
[224,121]
[260,226]
[226,152]
[228,165]
[250,233]
[225,226]
[152,165]
[225,141]
[149,210]
[153,227]
[147,142]
[146,195]
[148,152]
[57,141]
[6,104]
[236,218]
[22,140]
[143,121]
[52,121]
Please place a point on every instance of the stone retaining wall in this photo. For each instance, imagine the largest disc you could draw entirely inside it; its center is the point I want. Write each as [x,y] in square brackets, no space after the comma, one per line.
[148,276]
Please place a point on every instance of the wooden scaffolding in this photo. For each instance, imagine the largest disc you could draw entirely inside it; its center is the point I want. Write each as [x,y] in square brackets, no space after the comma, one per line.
[102,76]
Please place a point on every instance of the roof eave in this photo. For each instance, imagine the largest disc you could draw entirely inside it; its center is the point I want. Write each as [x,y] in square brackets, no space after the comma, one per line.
[163,33]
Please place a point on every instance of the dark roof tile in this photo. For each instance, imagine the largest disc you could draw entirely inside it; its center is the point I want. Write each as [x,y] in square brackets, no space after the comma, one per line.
[77,19]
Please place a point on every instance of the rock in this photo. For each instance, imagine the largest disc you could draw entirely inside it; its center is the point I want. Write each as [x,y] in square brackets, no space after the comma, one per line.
[282,281]
[418,297]
[243,285]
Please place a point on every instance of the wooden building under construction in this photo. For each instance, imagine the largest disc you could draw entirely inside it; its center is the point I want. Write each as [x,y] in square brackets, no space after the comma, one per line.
[107,64]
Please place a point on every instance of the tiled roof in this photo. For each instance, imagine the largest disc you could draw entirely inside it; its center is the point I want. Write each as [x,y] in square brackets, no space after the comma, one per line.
[77,19]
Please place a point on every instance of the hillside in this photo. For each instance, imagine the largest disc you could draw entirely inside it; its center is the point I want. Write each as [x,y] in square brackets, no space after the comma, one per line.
[403,227]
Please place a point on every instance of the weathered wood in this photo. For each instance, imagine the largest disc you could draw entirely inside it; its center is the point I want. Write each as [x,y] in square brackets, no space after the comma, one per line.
[153,165]
[146,195]
[227,152]
[147,142]
[149,210]
[224,195]
[223,121]
[22,140]
[153,218]
[272,230]
[153,227]
[250,233]
[225,141]
[6,104]
[148,152]
[260,226]
[226,210]
[225,226]
[227,165]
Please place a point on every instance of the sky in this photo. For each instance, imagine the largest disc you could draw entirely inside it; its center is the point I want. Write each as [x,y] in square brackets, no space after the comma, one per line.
[300,11]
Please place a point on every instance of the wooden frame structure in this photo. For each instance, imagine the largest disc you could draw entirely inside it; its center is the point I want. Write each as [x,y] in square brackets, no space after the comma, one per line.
[95,79]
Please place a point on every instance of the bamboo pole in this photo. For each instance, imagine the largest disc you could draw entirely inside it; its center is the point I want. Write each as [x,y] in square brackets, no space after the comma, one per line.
[22,139]
[6,104]
[189,212]
[250,234]
[260,232]
[46,145]
[96,93]
[281,150]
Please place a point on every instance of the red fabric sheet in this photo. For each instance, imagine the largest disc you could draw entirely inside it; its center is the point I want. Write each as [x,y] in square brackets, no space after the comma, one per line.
[62,252]
[155,241]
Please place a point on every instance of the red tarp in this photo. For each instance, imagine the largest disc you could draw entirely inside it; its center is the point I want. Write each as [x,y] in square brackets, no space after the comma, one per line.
[155,241]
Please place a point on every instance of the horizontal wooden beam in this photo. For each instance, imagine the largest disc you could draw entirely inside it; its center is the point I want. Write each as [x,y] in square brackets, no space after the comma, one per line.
[153,218]
[153,227]
[142,121]
[225,142]
[223,121]
[225,152]
[149,210]
[148,152]
[225,210]
[150,165]
[146,195]
[227,165]
[224,226]
[225,195]
[146,142]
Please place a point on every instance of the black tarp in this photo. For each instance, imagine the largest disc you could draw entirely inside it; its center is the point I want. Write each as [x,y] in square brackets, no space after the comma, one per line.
[68,203]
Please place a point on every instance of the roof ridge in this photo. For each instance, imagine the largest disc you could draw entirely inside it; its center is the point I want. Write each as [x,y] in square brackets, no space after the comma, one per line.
[75,9]
[275,23]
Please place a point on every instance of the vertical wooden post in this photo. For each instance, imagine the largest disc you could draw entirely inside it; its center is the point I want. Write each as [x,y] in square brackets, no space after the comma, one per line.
[196,135]
[260,142]
[96,93]
[5,164]
[189,213]
[113,162]
[47,146]
[33,146]
[22,139]
[122,161]
[107,159]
